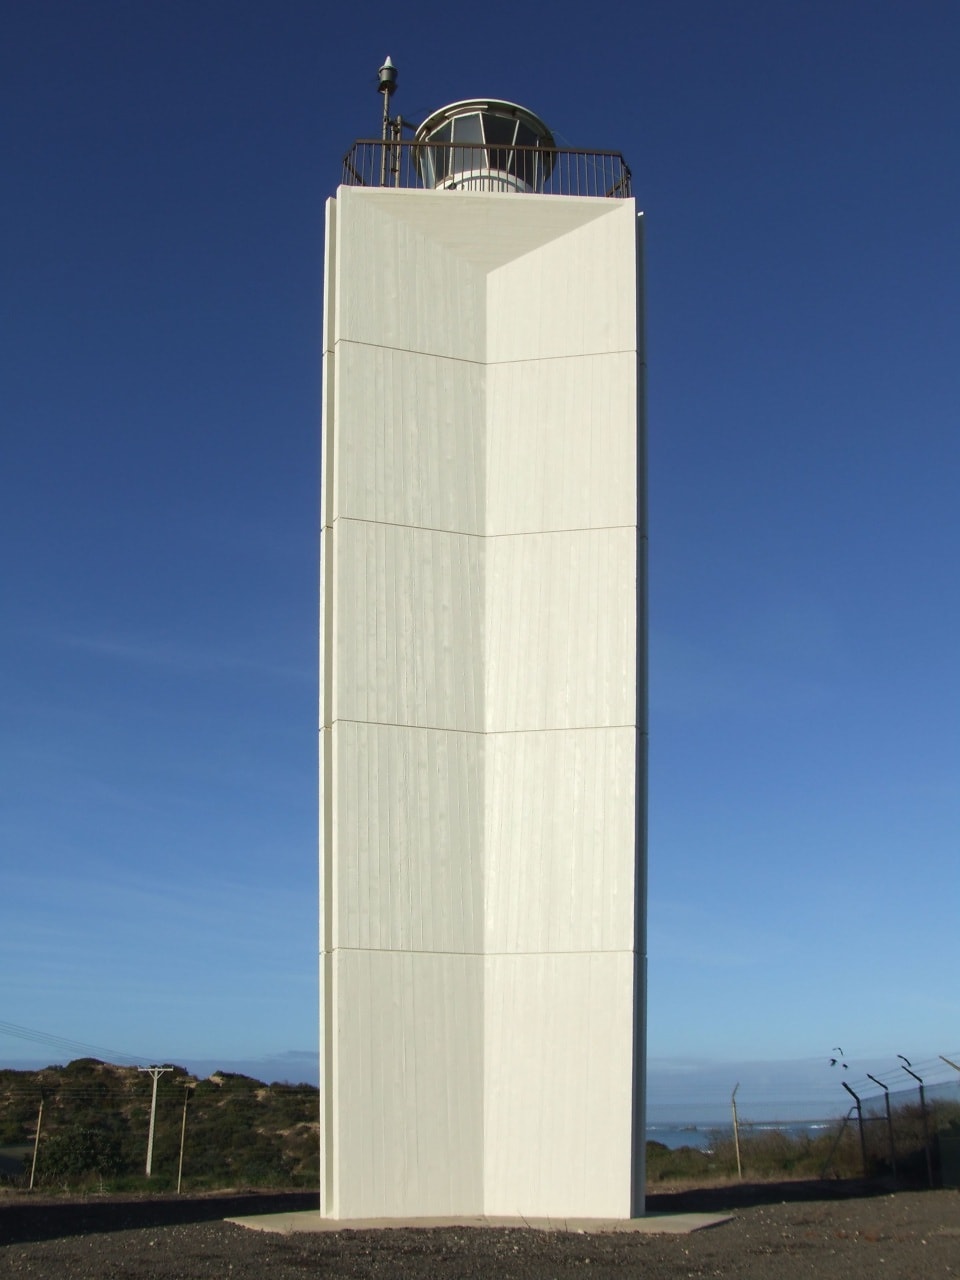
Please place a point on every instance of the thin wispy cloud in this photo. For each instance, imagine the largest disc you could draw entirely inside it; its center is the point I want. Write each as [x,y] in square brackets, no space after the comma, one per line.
[174,656]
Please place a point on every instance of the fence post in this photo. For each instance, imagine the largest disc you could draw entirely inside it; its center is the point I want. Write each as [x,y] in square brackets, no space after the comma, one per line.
[863,1143]
[836,1142]
[736,1129]
[926,1126]
[886,1099]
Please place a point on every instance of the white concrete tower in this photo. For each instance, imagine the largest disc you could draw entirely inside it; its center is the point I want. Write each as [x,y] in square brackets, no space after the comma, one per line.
[483,747]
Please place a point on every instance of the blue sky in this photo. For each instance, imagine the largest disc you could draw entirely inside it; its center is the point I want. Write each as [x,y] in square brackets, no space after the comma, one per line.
[165,169]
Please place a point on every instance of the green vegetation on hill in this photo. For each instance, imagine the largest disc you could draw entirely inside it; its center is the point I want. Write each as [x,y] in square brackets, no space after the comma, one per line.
[239,1131]
[771,1155]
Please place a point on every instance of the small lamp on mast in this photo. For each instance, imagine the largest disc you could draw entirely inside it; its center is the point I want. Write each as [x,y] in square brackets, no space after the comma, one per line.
[387,86]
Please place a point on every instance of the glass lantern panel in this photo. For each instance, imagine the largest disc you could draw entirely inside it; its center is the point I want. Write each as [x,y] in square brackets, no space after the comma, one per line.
[436,160]
[528,165]
[467,128]
[465,159]
[499,133]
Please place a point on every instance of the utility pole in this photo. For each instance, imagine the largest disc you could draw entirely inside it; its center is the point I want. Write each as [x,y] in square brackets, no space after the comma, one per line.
[187,1090]
[36,1141]
[736,1129]
[155,1073]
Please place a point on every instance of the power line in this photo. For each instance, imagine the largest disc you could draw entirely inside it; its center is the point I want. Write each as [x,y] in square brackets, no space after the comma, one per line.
[61,1042]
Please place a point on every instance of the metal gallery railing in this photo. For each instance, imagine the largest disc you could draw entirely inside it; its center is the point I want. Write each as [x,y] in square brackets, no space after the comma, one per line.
[428,165]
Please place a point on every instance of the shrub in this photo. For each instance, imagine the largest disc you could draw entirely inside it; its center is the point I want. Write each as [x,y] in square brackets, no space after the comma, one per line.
[69,1155]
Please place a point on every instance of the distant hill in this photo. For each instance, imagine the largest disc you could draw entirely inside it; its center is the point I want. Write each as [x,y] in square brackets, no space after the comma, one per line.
[238,1132]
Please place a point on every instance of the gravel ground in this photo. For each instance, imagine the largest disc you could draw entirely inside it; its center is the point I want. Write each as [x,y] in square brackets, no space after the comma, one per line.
[777,1233]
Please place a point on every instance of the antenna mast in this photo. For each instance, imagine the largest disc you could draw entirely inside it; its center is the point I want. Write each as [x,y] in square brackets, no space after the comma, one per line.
[387,86]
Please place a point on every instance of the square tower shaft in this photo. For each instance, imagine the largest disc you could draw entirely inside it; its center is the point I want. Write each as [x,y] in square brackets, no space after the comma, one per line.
[483,708]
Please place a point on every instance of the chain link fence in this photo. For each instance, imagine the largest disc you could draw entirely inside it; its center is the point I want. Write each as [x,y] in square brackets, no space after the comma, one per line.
[910,1135]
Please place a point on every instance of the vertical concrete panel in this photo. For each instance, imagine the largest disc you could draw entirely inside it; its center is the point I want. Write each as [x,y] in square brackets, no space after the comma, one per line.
[408,626]
[561,439]
[575,296]
[407,1026]
[410,424]
[558,1076]
[400,287]
[559,841]
[410,830]
[561,630]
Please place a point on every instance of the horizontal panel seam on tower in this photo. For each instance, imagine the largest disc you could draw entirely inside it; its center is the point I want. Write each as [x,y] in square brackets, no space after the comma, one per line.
[484,364]
[481,955]
[483,733]
[565,356]
[411,351]
[466,533]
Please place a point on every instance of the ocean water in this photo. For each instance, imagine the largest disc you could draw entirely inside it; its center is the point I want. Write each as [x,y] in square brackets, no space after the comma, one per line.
[681,1135]
[702,1135]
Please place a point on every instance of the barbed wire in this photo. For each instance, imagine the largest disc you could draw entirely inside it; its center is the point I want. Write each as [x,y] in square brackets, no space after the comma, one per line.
[934,1072]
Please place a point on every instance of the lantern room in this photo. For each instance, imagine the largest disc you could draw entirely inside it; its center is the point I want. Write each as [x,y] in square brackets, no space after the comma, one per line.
[484,144]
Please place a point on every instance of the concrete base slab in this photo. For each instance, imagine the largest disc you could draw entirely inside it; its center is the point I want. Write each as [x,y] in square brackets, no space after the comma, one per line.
[312,1221]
